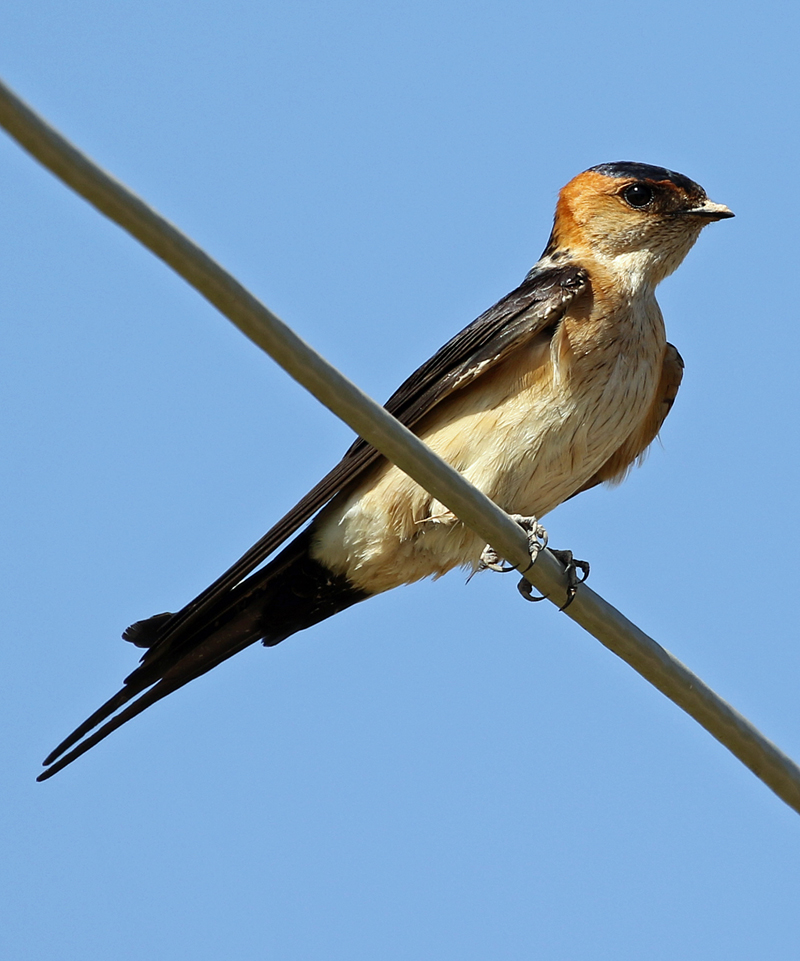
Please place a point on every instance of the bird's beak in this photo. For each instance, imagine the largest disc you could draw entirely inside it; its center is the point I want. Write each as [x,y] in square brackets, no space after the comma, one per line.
[711,211]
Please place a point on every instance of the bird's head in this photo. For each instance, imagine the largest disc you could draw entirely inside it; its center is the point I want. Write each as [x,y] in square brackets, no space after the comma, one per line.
[636,220]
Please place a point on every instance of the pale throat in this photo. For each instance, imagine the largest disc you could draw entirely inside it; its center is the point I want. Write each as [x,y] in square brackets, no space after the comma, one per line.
[639,271]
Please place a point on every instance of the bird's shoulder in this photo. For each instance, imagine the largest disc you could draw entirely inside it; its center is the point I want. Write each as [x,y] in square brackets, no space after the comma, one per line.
[539,302]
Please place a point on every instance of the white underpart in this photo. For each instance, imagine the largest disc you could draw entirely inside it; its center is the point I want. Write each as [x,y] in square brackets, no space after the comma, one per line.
[528,434]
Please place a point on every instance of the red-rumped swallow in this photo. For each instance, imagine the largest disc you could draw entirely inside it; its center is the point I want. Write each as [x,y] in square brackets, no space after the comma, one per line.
[560,386]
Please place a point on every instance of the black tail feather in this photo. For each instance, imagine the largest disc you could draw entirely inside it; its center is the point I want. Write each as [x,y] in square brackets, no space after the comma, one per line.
[291,593]
[171,682]
[148,632]
[106,710]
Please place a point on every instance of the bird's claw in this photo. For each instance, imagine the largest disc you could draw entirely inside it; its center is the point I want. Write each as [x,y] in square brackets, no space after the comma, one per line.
[526,589]
[490,560]
[537,541]
[571,568]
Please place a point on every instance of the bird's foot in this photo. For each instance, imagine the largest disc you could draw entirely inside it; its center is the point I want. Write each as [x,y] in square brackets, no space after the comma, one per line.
[571,568]
[537,541]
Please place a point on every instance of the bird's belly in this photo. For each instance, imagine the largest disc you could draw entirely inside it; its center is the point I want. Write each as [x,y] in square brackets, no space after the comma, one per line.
[528,442]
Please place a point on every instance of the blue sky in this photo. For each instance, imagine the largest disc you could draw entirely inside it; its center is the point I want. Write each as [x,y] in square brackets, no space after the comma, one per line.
[443,772]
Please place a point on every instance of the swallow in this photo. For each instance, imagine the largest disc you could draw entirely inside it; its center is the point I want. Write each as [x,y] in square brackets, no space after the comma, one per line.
[560,386]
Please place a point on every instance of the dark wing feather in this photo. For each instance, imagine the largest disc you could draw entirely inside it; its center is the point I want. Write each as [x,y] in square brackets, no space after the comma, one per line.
[537,304]
[540,301]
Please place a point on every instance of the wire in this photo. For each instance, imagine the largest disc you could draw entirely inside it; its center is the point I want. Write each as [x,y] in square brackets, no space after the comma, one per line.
[398,444]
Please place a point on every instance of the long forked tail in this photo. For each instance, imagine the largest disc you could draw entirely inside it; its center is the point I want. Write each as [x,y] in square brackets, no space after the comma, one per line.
[291,593]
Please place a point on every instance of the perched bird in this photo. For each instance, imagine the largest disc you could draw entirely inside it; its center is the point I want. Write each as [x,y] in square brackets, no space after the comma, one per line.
[560,386]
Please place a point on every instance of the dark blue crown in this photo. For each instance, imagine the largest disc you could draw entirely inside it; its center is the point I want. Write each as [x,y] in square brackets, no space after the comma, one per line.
[629,168]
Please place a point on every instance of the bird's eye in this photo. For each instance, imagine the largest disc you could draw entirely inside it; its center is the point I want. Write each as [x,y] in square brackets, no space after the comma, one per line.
[638,195]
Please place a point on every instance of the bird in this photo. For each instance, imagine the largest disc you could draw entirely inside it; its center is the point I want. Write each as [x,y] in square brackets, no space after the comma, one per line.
[560,386]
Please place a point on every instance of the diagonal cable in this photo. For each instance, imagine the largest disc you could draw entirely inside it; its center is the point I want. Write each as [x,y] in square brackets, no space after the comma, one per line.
[398,444]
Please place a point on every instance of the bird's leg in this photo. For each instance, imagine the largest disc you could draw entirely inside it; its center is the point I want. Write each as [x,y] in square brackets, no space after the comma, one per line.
[571,568]
[537,541]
